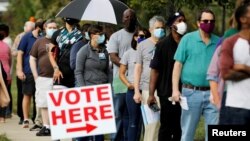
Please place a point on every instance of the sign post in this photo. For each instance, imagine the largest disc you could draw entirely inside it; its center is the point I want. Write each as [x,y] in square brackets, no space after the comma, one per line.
[83,111]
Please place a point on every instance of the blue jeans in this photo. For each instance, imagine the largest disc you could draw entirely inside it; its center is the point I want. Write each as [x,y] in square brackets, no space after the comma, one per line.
[121,117]
[134,113]
[199,104]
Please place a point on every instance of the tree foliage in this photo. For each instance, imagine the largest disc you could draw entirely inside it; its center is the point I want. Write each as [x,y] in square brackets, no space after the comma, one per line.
[20,10]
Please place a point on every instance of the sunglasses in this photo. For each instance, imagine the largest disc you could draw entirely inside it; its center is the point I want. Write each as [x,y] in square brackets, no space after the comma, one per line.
[206,21]
[141,36]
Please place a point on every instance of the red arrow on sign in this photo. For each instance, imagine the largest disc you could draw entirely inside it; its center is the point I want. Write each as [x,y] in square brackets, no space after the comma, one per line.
[88,128]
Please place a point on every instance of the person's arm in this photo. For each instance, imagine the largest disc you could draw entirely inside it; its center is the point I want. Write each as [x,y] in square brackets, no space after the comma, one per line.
[19,66]
[235,75]
[137,78]
[154,74]
[10,62]
[176,79]
[57,73]
[229,70]
[155,66]
[113,49]
[15,45]
[122,72]
[80,66]
[115,58]
[33,67]
[215,99]
[73,52]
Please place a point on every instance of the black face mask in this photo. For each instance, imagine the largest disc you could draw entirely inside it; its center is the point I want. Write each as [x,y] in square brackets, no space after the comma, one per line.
[131,26]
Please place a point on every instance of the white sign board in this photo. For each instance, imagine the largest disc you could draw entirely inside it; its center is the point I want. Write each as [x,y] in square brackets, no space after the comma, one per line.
[83,111]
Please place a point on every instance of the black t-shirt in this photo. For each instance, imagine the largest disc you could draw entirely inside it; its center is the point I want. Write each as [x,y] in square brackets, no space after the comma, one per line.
[163,61]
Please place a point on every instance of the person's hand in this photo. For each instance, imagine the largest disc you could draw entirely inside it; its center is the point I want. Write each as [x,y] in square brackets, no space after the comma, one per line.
[130,86]
[176,96]
[239,67]
[57,75]
[151,99]
[20,75]
[137,97]
[215,100]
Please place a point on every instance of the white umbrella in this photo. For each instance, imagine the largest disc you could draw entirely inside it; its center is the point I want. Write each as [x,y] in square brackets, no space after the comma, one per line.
[108,11]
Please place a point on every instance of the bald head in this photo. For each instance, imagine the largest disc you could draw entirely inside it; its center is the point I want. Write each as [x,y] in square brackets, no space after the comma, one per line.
[29,26]
[129,20]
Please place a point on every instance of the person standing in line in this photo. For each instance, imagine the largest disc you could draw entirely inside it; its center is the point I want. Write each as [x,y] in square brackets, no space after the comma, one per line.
[92,66]
[6,56]
[5,62]
[162,66]
[199,44]
[144,54]
[39,59]
[24,73]
[28,27]
[62,42]
[235,70]
[119,42]
[126,71]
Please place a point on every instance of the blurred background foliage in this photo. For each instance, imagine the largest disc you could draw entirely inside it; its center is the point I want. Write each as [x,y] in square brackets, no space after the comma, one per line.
[20,11]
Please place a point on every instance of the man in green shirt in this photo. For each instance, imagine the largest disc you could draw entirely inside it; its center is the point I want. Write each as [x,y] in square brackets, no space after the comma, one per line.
[192,58]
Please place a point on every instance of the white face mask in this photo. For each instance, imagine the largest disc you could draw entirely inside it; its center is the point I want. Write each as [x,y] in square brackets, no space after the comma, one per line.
[181,28]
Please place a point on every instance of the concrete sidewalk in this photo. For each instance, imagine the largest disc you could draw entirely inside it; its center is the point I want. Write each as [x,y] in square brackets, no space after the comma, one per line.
[15,132]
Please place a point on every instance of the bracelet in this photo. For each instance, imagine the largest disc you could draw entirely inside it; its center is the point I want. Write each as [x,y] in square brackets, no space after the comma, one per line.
[55,67]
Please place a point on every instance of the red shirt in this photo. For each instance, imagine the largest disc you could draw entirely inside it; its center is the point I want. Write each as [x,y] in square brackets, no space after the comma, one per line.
[5,57]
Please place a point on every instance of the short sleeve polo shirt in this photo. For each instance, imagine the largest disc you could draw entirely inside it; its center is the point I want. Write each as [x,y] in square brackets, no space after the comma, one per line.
[195,56]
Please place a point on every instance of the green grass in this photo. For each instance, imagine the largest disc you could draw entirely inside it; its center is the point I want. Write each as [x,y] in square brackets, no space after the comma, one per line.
[3,138]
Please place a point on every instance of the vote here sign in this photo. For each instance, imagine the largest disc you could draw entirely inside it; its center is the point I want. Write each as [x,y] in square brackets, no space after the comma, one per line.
[82,111]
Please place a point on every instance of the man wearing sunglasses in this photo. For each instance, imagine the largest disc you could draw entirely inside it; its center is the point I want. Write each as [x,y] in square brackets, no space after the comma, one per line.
[192,59]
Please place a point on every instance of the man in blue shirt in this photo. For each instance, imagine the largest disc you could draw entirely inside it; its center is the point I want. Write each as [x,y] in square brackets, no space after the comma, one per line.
[23,70]
[192,58]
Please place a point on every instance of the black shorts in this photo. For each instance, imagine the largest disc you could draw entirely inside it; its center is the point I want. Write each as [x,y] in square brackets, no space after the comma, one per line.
[29,87]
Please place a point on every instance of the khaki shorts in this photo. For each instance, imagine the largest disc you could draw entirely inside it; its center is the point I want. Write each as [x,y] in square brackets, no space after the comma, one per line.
[43,85]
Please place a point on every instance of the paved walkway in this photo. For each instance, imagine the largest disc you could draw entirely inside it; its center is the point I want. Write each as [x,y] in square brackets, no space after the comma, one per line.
[15,132]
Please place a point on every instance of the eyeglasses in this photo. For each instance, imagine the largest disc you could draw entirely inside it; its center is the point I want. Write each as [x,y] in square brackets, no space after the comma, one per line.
[141,36]
[206,21]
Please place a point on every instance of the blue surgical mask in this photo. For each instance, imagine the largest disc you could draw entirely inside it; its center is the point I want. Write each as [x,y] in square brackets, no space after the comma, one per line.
[50,32]
[101,39]
[159,33]
[86,35]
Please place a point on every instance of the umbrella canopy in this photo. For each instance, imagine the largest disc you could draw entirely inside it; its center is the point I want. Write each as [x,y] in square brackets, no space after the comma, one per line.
[108,11]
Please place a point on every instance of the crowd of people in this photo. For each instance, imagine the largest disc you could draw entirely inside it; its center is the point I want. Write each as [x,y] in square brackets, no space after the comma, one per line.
[149,66]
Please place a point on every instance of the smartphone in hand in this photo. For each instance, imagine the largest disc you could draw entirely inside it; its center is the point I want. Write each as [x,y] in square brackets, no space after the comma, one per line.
[154,107]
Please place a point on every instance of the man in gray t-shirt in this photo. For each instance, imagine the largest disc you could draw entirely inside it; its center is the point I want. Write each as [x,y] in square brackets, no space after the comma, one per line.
[145,53]
[120,42]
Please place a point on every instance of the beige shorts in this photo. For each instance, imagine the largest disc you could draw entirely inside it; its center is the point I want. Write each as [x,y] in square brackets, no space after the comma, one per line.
[43,85]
